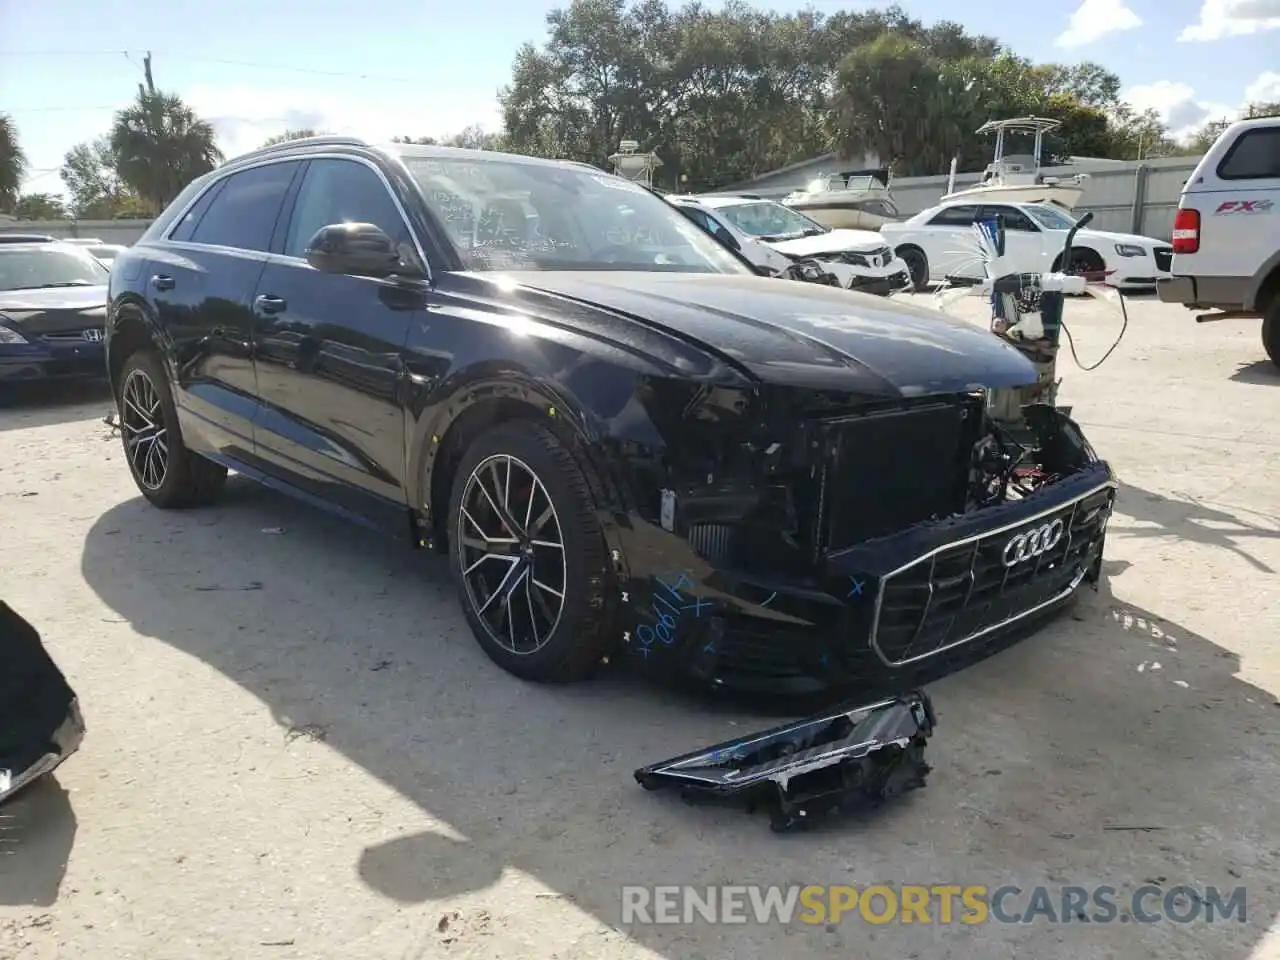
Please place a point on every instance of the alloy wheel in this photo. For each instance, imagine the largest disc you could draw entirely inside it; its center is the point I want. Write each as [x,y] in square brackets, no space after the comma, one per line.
[146,439]
[511,553]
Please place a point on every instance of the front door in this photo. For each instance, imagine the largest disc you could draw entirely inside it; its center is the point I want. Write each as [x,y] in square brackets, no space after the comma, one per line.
[1024,242]
[329,352]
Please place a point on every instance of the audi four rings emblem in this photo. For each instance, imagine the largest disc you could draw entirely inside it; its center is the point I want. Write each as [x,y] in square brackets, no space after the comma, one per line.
[1032,543]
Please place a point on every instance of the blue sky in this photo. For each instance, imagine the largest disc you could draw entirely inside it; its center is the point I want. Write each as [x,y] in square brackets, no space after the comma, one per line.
[257,68]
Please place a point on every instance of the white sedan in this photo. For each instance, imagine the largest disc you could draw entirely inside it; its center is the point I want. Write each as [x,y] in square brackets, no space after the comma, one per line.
[939,243]
[773,236]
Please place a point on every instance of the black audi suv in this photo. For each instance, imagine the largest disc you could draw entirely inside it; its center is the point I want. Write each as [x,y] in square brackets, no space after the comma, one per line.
[627,442]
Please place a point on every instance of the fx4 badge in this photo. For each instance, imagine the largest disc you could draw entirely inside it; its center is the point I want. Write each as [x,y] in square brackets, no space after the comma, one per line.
[1244,206]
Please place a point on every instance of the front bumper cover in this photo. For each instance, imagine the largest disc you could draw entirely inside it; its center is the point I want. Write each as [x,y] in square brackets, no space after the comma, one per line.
[39,360]
[799,772]
[927,593]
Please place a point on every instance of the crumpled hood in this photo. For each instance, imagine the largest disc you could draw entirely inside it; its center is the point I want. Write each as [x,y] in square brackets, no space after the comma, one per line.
[1107,236]
[837,241]
[797,334]
[54,309]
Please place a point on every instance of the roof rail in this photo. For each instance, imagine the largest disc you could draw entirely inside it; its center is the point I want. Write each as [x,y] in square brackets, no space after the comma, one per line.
[321,141]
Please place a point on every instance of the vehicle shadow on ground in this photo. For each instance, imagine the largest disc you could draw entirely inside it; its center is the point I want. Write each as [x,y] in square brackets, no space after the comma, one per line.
[1260,371]
[37,832]
[28,406]
[1066,759]
[1196,522]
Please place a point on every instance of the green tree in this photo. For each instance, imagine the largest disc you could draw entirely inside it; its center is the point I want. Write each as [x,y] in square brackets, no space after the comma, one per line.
[39,206]
[159,145]
[424,141]
[97,192]
[299,134]
[475,137]
[13,162]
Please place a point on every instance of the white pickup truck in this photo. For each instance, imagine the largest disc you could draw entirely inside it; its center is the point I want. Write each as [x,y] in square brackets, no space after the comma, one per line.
[1226,235]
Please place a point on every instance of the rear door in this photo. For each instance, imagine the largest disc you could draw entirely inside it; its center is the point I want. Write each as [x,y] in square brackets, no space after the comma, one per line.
[329,350]
[948,242]
[201,282]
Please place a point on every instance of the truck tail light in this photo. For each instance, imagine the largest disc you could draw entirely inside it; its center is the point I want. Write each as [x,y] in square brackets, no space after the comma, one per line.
[1186,231]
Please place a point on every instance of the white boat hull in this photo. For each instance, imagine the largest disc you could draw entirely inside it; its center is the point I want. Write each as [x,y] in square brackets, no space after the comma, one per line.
[1065,195]
[831,213]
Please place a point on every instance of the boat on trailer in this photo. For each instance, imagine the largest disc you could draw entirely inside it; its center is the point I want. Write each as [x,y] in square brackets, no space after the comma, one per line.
[851,200]
[1017,178]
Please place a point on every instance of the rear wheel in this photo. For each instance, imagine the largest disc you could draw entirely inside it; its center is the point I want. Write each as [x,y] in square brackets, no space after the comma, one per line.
[917,266]
[1271,330]
[528,556]
[166,472]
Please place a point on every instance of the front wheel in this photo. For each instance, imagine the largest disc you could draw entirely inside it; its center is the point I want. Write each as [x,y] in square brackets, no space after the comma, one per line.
[917,266]
[168,474]
[527,555]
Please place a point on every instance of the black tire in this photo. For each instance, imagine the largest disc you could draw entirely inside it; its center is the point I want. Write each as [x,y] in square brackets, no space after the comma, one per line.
[1082,260]
[917,266]
[1271,330]
[572,644]
[188,479]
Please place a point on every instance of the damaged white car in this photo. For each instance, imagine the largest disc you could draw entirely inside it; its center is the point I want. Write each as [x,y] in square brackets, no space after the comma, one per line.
[774,237]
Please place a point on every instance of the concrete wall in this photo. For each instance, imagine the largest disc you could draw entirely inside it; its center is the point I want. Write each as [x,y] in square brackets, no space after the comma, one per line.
[1128,197]
[125,232]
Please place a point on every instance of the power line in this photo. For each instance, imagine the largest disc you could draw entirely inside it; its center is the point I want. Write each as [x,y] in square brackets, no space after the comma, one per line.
[195,58]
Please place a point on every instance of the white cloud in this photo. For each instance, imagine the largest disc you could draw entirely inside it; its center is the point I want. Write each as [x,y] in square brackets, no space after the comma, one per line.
[1095,19]
[1266,89]
[243,117]
[1184,113]
[1233,18]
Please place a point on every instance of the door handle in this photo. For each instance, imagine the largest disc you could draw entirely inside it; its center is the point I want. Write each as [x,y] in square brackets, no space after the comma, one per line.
[162,281]
[267,303]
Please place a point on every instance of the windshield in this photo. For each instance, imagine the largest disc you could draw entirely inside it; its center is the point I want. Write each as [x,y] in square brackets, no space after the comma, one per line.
[505,214]
[1049,218]
[104,253]
[31,269]
[770,221]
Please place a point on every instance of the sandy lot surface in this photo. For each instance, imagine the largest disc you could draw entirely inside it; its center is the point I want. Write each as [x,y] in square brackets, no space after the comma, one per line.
[296,750]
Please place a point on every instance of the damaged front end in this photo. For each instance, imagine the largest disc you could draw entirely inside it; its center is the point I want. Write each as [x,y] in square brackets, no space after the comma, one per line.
[40,721]
[792,540]
[802,771]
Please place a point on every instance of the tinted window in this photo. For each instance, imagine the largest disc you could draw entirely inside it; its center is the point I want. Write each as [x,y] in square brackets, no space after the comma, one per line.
[1014,219]
[954,217]
[187,225]
[1254,156]
[344,191]
[244,212]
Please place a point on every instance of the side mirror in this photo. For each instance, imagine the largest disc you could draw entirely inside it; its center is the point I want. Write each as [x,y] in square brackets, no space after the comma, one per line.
[355,249]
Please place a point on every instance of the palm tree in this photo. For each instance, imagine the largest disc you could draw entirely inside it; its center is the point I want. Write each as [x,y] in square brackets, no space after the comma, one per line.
[13,163]
[160,146]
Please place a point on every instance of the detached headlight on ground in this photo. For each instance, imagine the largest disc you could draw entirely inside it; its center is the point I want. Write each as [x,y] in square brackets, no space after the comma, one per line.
[1130,250]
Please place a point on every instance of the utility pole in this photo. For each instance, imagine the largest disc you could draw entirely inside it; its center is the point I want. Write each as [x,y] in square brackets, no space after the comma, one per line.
[150,88]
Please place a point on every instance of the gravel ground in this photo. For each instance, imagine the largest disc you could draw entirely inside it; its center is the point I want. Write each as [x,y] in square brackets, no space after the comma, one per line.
[296,750]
